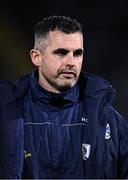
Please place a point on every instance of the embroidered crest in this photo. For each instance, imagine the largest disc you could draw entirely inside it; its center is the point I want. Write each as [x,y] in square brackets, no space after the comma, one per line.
[107,132]
[86,151]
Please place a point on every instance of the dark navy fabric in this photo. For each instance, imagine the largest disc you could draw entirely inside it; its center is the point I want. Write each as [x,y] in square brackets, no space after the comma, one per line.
[46,115]
[74,134]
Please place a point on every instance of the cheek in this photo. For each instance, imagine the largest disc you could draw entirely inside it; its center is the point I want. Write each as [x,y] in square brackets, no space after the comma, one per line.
[79,64]
[51,68]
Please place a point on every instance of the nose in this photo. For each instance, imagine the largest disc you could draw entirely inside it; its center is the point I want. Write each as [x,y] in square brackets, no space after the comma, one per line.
[70,60]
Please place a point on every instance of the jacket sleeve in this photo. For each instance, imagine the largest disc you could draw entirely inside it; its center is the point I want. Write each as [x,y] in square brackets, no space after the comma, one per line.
[122,131]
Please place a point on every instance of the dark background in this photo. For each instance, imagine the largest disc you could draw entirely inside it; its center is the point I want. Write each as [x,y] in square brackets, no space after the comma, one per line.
[105,37]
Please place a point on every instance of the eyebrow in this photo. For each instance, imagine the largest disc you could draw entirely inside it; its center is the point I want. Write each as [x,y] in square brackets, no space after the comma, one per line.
[61,50]
[78,51]
[66,51]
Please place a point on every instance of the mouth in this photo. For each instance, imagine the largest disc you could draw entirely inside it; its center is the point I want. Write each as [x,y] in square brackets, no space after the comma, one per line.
[68,74]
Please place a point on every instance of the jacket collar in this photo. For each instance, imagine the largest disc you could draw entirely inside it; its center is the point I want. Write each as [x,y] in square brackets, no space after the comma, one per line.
[96,87]
[49,99]
[89,86]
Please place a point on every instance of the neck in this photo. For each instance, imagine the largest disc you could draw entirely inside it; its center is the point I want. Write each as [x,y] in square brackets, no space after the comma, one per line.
[48,87]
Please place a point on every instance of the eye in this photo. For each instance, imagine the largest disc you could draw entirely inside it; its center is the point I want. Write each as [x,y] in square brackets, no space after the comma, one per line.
[78,52]
[61,52]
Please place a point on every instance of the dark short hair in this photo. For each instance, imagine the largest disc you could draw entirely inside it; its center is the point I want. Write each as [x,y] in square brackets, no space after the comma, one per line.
[62,23]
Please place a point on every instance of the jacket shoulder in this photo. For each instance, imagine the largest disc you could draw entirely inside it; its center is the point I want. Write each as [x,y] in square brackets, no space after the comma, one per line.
[9,89]
[95,79]
[5,88]
[94,85]
[119,120]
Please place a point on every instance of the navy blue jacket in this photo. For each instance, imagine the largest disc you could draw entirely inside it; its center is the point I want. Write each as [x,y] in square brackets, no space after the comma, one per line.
[98,142]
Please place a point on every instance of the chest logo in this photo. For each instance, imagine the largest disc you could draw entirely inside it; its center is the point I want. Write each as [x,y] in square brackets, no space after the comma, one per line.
[107,132]
[86,151]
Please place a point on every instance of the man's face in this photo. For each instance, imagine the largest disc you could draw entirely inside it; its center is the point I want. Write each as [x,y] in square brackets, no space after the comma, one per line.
[61,61]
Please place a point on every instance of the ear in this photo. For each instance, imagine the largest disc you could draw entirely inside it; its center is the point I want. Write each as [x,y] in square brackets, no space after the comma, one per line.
[35,57]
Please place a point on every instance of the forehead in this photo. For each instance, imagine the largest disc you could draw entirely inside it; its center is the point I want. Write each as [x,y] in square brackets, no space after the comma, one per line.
[58,39]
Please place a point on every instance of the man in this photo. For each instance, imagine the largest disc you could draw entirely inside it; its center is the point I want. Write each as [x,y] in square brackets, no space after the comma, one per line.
[58,122]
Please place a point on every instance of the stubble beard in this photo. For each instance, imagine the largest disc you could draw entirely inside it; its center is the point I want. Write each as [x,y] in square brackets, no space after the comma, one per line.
[59,82]
[63,83]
